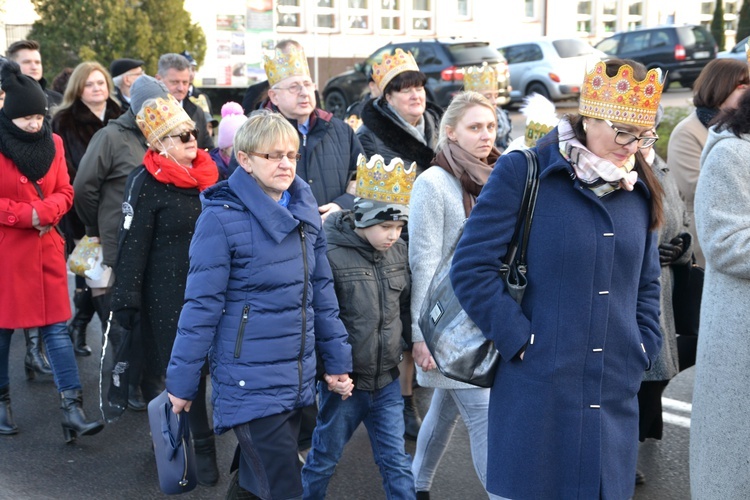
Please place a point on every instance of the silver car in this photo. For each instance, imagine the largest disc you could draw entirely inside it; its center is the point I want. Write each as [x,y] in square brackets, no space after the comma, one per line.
[552,67]
[738,52]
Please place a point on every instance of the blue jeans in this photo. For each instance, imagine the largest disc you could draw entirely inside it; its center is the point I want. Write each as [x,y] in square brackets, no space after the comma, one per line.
[382,412]
[438,425]
[59,350]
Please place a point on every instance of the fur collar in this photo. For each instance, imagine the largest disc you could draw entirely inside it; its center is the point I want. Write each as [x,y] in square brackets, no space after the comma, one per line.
[389,130]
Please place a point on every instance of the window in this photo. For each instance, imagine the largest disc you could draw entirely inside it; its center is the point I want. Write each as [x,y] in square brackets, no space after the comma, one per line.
[610,26]
[463,10]
[16,32]
[290,17]
[730,7]
[610,8]
[634,42]
[326,16]
[527,52]
[358,16]
[529,8]
[421,16]
[584,26]
[634,25]
[635,9]
[391,16]
[707,8]
[584,7]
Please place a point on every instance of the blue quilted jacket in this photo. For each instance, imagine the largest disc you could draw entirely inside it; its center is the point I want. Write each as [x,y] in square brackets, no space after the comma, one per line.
[259,300]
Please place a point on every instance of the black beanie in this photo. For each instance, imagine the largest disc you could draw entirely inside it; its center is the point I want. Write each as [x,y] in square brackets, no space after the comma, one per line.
[23,95]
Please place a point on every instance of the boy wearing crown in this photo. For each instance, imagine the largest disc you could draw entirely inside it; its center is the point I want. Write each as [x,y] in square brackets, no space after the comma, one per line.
[328,146]
[372,281]
[483,79]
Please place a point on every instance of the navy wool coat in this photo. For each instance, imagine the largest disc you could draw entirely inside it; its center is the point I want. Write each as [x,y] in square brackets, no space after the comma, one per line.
[259,300]
[564,420]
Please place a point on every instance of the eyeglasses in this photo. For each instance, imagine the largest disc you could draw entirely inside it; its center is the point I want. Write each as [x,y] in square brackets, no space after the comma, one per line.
[625,138]
[185,136]
[297,88]
[293,157]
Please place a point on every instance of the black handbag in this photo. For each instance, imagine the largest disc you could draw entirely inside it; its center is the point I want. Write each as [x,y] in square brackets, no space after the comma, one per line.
[460,350]
[686,298]
[173,449]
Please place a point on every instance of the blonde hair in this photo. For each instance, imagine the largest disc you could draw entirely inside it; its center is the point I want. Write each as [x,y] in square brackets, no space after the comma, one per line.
[263,130]
[77,83]
[457,109]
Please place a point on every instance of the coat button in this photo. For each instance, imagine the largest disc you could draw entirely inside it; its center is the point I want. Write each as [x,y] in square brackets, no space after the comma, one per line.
[11,219]
[608,235]
[310,181]
[40,181]
[595,407]
[604,292]
[242,383]
[23,179]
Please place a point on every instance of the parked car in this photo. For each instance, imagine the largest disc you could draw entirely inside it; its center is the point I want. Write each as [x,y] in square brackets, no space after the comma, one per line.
[442,60]
[738,52]
[552,67]
[681,51]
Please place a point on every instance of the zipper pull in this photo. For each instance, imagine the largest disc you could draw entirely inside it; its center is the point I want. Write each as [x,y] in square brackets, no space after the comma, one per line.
[304,140]
[245,312]
[302,231]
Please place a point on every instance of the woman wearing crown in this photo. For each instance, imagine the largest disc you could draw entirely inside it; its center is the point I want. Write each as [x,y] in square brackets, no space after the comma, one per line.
[161,206]
[563,415]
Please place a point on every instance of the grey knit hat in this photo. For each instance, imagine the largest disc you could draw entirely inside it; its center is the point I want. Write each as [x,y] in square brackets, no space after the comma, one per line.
[144,88]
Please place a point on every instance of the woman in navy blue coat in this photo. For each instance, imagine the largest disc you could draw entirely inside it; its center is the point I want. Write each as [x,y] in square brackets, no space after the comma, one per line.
[260,301]
[563,416]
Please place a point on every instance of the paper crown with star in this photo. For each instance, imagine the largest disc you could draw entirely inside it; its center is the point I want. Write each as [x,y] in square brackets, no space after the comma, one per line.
[160,116]
[480,78]
[621,98]
[389,183]
[391,66]
[291,62]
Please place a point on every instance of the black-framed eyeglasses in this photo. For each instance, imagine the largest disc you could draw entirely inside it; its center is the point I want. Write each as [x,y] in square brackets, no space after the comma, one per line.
[293,157]
[185,136]
[625,138]
[297,88]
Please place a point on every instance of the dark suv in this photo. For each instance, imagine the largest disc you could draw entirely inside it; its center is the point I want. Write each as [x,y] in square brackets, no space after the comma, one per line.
[682,51]
[442,61]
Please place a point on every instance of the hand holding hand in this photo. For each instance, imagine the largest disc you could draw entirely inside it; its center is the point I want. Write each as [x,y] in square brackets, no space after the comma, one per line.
[340,384]
[422,356]
[670,252]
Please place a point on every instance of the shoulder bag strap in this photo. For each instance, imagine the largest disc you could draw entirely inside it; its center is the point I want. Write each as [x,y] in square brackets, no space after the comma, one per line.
[526,211]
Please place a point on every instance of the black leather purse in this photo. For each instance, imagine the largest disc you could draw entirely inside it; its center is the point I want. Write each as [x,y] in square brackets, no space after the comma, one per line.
[458,346]
[686,298]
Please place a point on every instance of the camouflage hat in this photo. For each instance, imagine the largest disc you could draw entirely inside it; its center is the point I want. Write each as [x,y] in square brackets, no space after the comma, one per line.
[370,212]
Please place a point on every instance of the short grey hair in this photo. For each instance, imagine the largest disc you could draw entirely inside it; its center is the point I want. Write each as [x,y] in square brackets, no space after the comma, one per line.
[172,61]
[118,80]
[263,130]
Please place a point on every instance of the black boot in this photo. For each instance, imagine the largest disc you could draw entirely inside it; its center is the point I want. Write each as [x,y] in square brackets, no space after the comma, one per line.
[135,398]
[77,327]
[412,420]
[35,361]
[205,460]
[423,495]
[7,426]
[74,419]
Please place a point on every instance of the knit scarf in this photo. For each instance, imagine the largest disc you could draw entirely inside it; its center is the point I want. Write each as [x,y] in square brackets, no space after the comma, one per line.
[202,174]
[31,152]
[600,175]
[705,115]
[467,168]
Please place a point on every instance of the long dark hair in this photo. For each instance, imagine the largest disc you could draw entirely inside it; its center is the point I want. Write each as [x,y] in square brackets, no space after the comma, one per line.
[644,170]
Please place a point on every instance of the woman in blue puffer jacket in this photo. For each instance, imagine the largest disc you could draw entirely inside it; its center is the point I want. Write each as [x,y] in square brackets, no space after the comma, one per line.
[260,302]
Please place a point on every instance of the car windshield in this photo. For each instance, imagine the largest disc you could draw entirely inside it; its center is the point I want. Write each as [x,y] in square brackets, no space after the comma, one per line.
[570,47]
[472,53]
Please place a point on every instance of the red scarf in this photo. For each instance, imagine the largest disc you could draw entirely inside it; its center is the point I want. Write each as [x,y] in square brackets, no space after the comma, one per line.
[203,173]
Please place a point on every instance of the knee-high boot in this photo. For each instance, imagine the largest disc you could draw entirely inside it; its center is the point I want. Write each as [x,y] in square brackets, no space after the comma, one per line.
[74,421]
[35,361]
[77,327]
[7,426]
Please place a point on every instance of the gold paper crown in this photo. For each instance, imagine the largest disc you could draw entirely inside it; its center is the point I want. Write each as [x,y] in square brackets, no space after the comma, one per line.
[541,118]
[534,132]
[480,78]
[621,98]
[285,64]
[392,65]
[159,119]
[390,183]
[354,122]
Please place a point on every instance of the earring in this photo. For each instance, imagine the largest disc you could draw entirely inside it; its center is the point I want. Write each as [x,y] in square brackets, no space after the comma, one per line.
[585,127]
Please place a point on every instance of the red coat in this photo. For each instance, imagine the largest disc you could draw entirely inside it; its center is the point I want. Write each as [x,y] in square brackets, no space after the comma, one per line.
[33,271]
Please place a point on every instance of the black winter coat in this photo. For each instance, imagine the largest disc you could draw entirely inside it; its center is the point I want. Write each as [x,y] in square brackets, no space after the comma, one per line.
[374,292]
[383,133]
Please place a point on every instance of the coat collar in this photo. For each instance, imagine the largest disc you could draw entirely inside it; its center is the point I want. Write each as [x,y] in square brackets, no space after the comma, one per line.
[276,220]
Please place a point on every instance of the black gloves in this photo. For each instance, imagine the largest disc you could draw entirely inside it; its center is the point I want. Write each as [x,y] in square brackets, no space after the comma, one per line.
[670,252]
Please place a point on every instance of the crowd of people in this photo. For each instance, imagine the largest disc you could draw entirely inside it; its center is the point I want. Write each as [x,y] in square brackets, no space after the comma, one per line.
[287,262]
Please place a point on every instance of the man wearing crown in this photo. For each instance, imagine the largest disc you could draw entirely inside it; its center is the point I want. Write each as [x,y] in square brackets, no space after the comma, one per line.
[563,414]
[328,146]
